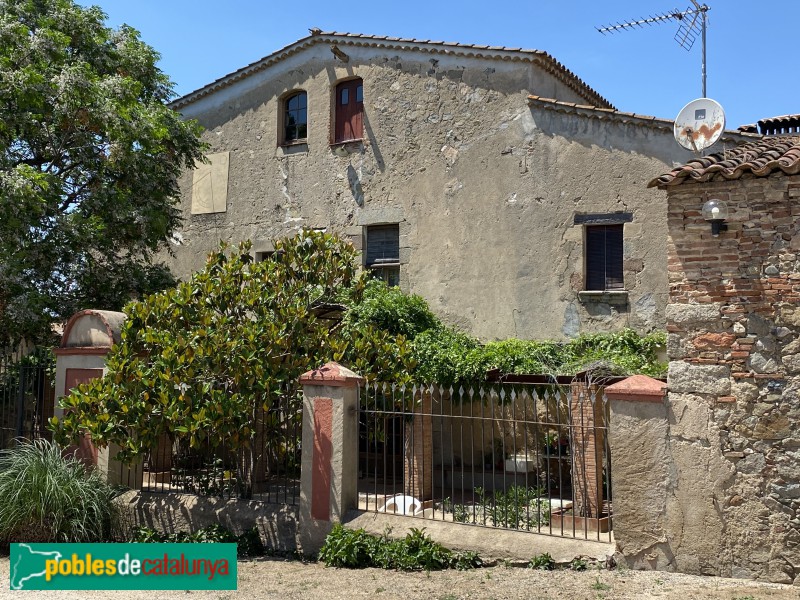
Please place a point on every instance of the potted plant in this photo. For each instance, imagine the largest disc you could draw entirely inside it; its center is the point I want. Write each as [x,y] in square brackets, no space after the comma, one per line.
[555,444]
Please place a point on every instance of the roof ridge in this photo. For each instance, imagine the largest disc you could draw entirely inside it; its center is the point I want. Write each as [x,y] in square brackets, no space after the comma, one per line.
[540,57]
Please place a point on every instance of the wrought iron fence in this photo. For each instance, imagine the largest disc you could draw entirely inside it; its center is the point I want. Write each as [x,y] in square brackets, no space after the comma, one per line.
[26,394]
[266,468]
[518,456]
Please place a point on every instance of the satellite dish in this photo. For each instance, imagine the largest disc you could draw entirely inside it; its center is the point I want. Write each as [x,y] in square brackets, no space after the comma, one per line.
[699,124]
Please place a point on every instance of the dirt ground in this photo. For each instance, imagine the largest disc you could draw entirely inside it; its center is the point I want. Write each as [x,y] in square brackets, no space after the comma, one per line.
[285,580]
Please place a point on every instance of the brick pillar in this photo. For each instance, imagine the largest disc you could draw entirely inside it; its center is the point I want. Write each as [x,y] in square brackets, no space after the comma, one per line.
[587,420]
[418,451]
[329,464]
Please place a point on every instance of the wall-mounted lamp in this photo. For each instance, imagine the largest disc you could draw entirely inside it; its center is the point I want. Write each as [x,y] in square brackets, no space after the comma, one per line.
[716,212]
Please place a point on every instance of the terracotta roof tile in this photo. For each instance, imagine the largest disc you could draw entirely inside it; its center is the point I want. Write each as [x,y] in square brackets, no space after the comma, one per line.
[784,124]
[761,158]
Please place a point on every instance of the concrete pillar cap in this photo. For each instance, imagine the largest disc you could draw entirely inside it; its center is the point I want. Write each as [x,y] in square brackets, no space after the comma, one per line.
[637,388]
[332,374]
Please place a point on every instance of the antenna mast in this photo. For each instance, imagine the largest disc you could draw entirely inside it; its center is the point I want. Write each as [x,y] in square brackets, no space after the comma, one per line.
[687,30]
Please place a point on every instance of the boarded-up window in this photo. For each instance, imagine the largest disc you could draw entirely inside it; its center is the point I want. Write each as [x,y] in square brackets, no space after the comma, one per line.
[349,111]
[210,184]
[604,257]
[382,254]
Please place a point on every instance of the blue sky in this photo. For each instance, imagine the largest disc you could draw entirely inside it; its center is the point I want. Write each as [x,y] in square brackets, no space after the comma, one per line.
[751,47]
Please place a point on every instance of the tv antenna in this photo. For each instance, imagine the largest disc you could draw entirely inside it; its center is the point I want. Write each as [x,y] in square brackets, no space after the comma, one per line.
[687,33]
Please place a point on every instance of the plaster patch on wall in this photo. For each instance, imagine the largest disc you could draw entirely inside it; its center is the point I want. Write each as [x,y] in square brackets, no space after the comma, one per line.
[210,185]
[572,321]
[645,308]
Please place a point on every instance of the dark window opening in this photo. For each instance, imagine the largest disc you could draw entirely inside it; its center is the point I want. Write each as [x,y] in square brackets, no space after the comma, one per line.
[296,118]
[265,255]
[349,115]
[382,255]
[604,257]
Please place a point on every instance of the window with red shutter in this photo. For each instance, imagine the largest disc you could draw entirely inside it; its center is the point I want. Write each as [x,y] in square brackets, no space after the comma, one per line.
[349,111]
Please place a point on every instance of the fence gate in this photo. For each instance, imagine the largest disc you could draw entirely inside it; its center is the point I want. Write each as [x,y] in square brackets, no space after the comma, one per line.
[26,395]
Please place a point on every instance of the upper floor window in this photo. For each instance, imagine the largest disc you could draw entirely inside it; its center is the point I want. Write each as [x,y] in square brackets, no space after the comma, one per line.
[382,254]
[295,119]
[349,111]
[603,251]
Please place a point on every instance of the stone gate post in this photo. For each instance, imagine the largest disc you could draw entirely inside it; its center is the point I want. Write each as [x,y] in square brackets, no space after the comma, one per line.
[640,460]
[329,475]
[87,340]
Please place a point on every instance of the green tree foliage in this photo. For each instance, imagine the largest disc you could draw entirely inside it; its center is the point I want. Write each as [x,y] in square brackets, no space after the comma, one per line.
[89,156]
[442,354]
[391,309]
[199,362]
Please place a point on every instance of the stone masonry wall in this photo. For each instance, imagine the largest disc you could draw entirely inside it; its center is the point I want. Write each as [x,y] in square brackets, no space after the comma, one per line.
[733,485]
[484,187]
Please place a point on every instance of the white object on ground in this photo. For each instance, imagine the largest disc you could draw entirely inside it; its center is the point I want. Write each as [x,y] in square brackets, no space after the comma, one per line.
[401,504]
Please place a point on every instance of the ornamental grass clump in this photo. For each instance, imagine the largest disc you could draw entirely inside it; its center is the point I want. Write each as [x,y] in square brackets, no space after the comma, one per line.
[46,497]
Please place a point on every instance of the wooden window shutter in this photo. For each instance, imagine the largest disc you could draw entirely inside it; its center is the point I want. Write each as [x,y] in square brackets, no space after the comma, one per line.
[383,245]
[604,257]
[349,111]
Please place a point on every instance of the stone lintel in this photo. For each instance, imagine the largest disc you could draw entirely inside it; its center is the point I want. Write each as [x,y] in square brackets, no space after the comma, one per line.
[638,388]
[331,374]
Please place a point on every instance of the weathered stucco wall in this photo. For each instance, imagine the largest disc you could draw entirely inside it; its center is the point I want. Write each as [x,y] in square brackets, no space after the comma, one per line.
[724,449]
[485,186]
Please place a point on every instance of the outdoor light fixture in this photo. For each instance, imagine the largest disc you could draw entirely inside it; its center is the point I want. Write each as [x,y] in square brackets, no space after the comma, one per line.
[716,212]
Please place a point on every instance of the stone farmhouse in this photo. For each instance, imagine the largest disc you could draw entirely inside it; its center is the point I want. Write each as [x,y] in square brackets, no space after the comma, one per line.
[492,181]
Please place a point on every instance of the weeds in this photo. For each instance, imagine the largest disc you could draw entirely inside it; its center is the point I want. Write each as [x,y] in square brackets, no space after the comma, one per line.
[356,549]
[579,564]
[518,507]
[247,544]
[543,562]
[600,586]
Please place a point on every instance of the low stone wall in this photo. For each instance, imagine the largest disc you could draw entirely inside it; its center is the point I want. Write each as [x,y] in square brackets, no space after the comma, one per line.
[170,513]
[490,543]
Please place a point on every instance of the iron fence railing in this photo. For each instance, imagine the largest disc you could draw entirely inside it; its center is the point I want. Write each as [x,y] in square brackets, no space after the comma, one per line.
[266,468]
[517,456]
[26,394]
